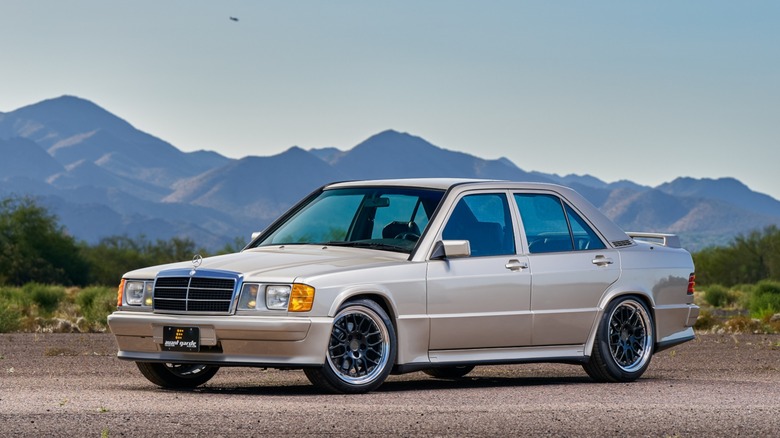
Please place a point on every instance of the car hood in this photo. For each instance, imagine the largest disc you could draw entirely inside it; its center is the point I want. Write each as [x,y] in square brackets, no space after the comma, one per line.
[283,264]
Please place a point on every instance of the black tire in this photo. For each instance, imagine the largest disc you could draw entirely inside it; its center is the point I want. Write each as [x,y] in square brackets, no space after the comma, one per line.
[449,372]
[624,342]
[361,351]
[177,375]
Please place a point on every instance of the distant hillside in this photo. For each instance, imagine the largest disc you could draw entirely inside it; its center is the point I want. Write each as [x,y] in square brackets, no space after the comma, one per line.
[392,154]
[728,190]
[104,177]
[257,189]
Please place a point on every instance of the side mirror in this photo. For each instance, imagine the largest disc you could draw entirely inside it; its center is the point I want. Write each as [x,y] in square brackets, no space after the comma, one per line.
[254,235]
[445,249]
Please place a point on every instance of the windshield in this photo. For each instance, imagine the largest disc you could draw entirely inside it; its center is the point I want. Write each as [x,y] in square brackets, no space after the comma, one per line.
[387,218]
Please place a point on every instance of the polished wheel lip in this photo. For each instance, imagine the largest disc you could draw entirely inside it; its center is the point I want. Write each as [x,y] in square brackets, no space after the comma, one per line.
[630,336]
[185,370]
[359,346]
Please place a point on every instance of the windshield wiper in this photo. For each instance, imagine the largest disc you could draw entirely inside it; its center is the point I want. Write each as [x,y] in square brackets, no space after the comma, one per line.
[362,244]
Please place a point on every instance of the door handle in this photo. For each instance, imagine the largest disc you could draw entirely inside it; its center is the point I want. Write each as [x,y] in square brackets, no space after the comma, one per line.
[516,265]
[600,260]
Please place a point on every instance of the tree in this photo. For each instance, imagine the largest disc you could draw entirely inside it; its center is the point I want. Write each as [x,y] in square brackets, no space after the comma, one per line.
[115,255]
[748,259]
[34,247]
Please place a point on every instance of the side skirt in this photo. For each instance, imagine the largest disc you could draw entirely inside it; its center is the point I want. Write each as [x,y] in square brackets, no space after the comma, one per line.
[569,354]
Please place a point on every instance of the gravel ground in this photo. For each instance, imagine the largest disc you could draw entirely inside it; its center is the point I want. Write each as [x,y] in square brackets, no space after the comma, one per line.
[73,385]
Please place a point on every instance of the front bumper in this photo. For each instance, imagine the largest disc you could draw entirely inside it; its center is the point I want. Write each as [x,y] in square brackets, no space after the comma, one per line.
[225,340]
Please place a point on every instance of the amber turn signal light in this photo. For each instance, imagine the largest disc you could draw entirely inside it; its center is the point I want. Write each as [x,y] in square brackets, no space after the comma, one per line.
[301,298]
[119,293]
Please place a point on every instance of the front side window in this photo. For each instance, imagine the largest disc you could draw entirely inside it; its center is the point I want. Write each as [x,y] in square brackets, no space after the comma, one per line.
[485,221]
[388,218]
[552,226]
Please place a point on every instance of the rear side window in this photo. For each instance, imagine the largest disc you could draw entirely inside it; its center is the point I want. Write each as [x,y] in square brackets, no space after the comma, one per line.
[552,226]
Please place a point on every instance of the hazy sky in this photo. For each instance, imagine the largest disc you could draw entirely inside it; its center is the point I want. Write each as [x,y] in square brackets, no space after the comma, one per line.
[646,91]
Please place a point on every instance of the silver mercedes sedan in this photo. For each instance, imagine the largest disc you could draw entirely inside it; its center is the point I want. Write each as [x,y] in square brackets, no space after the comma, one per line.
[366,278]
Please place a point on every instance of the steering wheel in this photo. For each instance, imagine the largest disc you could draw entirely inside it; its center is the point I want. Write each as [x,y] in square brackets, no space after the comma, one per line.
[408,235]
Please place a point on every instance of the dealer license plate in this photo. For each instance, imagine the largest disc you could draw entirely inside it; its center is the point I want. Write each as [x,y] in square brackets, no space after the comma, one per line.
[181,338]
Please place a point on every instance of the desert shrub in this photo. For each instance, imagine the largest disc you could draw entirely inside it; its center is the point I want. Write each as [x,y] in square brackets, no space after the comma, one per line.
[705,321]
[718,296]
[47,298]
[765,299]
[773,325]
[743,324]
[743,294]
[15,296]
[96,303]
[10,317]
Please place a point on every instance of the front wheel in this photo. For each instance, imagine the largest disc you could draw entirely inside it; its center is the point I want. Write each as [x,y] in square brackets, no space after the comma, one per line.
[361,351]
[624,342]
[177,375]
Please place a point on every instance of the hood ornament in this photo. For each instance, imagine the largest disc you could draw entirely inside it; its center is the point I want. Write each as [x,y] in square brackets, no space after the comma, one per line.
[196,261]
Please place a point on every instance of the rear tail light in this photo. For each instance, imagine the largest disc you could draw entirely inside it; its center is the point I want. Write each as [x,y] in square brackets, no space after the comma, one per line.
[691,283]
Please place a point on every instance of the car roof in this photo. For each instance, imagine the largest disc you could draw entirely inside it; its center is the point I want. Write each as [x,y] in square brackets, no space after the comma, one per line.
[448,183]
[432,183]
[611,232]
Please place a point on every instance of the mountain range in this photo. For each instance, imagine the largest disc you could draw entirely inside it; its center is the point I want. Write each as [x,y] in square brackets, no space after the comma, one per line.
[103,177]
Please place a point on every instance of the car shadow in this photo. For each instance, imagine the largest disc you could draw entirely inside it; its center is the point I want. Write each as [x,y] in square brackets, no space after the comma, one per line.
[390,386]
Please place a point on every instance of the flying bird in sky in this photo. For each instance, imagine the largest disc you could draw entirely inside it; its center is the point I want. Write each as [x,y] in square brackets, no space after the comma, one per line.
[234,18]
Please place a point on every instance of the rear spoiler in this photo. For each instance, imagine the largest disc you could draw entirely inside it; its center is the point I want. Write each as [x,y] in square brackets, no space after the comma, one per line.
[670,240]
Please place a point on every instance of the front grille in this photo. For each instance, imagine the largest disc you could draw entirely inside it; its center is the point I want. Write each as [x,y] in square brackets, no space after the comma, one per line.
[193,294]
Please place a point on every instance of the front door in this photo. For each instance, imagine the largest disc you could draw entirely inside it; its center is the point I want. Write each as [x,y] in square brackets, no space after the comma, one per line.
[480,301]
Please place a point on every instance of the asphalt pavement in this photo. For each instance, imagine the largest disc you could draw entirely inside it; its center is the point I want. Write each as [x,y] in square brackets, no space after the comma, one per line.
[73,385]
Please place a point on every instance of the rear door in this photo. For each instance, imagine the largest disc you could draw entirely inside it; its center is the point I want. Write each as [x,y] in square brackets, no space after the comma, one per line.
[571,267]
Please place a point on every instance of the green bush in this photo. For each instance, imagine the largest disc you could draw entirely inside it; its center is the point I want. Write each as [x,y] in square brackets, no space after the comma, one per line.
[717,296]
[15,297]
[96,303]
[765,299]
[10,317]
[743,294]
[47,298]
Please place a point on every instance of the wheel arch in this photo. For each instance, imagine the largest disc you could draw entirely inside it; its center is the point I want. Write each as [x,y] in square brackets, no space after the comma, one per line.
[354,373]
[382,298]
[644,296]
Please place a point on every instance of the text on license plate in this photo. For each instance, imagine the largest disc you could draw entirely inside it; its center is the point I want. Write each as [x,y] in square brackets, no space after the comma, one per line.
[181,338]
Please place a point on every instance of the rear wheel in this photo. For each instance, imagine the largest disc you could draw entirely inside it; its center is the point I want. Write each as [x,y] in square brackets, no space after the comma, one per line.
[449,372]
[177,375]
[624,342]
[361,351]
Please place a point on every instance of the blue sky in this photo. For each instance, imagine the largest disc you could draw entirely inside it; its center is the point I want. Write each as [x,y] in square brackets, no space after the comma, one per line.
[646,91]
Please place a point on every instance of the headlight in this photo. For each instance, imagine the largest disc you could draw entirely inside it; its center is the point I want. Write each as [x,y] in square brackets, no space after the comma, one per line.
[138,292]
[293,298]
[277,297]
